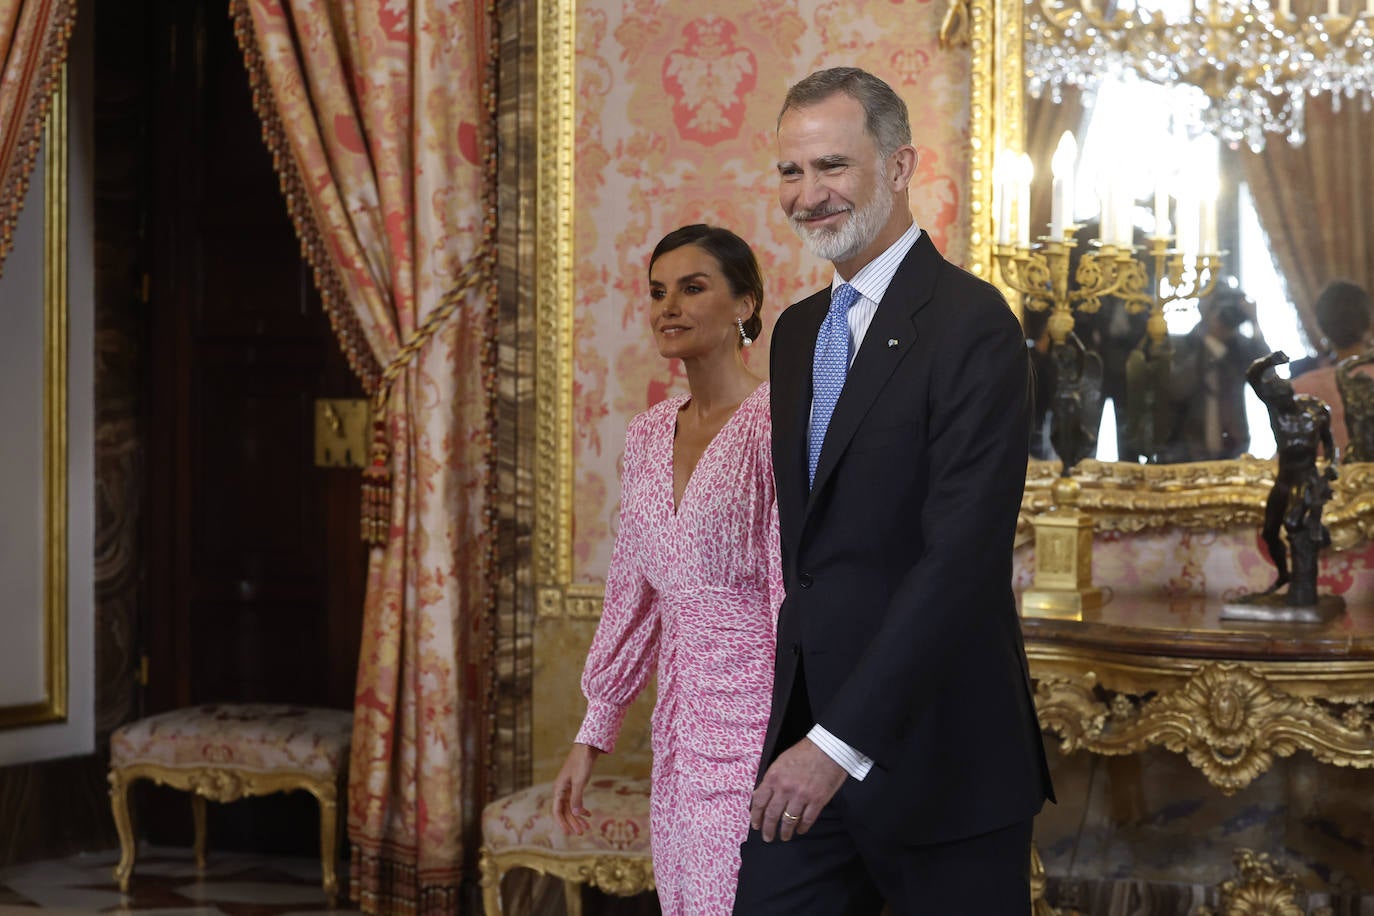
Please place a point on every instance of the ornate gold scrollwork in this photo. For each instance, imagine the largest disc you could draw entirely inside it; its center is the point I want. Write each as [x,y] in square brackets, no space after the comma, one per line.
[1262,889]
[619,875]
[218,785]
[1204,494]
[1229,721]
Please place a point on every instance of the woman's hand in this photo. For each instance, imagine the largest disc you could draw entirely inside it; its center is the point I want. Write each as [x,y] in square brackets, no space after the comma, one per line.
[567,789]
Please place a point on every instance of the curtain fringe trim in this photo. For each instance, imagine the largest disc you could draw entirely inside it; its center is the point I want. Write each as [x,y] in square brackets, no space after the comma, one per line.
[28,139]
[342,319]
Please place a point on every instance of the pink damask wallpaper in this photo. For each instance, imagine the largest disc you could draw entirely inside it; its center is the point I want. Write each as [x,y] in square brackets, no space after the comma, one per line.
[676,104]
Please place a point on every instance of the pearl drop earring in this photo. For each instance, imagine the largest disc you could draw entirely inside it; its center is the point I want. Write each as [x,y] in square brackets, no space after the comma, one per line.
[744,338]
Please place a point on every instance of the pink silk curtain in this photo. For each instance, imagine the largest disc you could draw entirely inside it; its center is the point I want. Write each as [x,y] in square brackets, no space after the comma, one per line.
[33,45]
[1314,202]
[378,115]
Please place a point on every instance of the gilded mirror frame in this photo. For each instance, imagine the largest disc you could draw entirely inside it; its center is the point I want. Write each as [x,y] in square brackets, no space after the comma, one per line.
[1119,495]
[53,706]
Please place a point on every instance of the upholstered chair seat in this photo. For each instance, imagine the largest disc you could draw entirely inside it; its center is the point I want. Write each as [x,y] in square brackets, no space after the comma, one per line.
[521,831]
[226,751]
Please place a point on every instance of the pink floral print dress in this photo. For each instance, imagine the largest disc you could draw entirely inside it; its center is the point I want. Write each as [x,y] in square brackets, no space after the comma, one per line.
[692,595]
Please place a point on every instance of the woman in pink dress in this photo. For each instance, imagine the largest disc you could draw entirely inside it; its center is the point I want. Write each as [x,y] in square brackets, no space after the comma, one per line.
[695,580]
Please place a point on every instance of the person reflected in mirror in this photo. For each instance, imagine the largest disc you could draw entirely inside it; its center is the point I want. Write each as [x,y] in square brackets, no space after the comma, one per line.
[1208,379]
[695,579]
[1077,410]
[1302,429]
[1343,314]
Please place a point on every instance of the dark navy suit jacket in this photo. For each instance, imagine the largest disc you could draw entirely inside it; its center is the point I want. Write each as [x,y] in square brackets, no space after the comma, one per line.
[898,561]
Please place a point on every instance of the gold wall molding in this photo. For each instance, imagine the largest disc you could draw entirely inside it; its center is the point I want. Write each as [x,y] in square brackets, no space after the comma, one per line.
[553,460]
[53,706]
[1229,720]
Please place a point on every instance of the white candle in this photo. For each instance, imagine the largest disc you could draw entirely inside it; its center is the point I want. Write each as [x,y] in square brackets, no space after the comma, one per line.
[1209,224]
[1002,191]
[1185,220]
[1061,199]
[1333,7]
[1106,223]
[1027,172]
[1161,208]
[1286,8]
[1125,214]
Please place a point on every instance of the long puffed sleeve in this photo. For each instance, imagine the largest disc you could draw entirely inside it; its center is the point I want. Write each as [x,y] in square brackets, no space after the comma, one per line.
[624,651]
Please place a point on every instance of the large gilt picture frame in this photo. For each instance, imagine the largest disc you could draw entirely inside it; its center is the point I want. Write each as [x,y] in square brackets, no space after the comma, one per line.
[1119,495]
[556,595]
[52,707]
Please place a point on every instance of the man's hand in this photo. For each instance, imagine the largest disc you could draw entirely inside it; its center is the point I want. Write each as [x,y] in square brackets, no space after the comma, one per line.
[794,790]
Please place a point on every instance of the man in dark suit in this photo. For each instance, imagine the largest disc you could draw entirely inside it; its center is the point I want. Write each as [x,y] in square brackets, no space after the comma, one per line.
[903,760]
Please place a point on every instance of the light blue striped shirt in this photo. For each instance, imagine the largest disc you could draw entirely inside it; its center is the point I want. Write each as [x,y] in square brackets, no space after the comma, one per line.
[871,282]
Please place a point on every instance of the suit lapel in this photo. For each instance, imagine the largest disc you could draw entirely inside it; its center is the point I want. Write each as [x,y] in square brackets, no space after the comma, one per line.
[791,375]
[910,290]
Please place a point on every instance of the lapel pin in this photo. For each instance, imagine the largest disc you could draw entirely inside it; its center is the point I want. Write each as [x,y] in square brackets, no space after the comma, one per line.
[892,343]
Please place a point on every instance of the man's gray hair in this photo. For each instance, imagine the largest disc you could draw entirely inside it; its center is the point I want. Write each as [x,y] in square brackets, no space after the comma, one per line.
[885,115]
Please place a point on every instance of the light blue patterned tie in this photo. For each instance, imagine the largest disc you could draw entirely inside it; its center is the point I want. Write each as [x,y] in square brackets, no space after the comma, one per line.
[829,366]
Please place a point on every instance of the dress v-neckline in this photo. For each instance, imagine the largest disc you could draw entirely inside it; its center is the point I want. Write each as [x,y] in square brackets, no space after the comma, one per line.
[672,451]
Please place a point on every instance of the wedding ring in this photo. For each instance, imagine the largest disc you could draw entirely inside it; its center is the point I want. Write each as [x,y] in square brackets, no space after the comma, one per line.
[791,817]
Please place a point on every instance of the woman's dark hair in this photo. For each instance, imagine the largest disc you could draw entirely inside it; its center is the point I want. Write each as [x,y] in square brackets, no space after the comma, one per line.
[1343,313]
[736,260]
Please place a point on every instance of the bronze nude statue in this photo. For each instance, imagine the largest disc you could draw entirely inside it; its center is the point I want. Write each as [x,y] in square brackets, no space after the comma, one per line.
[1077,402]
[1302,428]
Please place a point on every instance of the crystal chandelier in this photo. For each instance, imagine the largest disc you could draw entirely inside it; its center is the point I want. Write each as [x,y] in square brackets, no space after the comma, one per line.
[1253,65]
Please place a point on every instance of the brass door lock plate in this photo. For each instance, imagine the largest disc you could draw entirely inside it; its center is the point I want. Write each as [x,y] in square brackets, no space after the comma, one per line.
[341,426]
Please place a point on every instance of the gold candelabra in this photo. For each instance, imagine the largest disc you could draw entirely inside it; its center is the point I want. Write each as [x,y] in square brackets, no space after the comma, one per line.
[1042,278]
[1170,264]
[1063,571]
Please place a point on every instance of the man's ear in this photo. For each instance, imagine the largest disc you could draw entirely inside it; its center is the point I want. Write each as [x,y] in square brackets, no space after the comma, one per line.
[902,167]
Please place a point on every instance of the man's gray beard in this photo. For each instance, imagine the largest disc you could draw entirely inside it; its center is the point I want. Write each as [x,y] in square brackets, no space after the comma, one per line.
[854,236]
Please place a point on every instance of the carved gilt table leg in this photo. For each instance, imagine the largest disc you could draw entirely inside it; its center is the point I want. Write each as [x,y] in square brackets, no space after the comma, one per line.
[327,796]
[1039,907]
[198,819]
[119,804]
[572,898]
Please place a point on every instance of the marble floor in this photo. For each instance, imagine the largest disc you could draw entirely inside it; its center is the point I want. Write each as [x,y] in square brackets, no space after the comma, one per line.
[167,882]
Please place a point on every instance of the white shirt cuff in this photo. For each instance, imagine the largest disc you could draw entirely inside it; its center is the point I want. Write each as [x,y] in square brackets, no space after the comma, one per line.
[854,763]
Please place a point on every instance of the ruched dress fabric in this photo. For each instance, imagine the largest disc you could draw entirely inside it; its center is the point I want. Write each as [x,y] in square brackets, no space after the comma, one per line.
[692,595]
